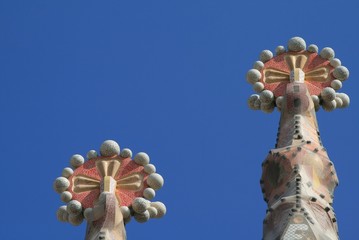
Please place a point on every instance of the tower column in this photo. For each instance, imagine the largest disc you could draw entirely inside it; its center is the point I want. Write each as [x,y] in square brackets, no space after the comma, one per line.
[298,178]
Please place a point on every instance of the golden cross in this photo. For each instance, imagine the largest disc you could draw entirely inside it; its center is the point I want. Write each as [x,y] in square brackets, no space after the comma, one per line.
[296,65]
[108,169]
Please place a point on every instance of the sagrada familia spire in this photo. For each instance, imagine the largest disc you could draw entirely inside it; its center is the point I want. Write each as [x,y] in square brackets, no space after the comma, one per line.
[107,190]
[298,178]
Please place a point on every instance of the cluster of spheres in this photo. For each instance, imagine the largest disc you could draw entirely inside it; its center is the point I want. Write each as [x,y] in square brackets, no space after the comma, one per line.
[141,208]
[329,98]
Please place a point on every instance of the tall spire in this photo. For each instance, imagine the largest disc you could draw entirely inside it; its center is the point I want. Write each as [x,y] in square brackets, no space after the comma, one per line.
[298,178]
[107,190]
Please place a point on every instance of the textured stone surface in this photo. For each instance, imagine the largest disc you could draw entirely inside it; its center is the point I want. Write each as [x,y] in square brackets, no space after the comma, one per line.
[341,73]
[140,205]
[313,48]
[77,160]
[280,50]
[327,53]
[296,44]
[142,158]
[279,68]
[161,209]
[61,184]
[91,169]
[253,76]
[265,56]
[258,65]
[298,178]
[155,181]
[109,148]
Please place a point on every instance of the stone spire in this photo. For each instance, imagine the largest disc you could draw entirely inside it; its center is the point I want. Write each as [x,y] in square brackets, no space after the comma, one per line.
[107,190]
[298,179]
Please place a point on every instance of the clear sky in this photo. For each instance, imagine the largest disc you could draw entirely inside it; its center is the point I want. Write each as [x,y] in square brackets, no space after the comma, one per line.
[168,78]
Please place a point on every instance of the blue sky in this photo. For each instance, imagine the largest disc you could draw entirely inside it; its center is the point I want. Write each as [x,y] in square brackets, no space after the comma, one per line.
[168,78]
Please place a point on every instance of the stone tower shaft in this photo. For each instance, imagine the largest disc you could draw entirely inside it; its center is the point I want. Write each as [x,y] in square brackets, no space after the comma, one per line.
[298,177]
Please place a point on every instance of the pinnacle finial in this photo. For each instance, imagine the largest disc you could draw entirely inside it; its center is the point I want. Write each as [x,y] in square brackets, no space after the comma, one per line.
[321,72]
[109,183]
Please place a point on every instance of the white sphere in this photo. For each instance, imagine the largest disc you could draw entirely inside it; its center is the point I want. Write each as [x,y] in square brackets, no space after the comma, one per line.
[141,158]
[266,96]
[267,107]
[329,105]
[66,216]
[335,62]
[265,56]
[161,209]
[296,44]
[339,102]
[77,160]
[126,153]
[251,103]
[258,65]
[66,196]
[142,217]
[60,214]
[149,168]
[257,104]
[313,48]
[252,99]
[88,214]
[127,220]
[345,98]
[76,220]
[155,181]
[253,76]
[258,87]
[279,101]
[316,102]
[279,50]
[327,53]
[336,84]
[152,211]
[67,172]
[125,211]
[109,148]
[149,193]
[61,184]
[328,94]
[92,154]
[139,205]
[74,207]
[341,73]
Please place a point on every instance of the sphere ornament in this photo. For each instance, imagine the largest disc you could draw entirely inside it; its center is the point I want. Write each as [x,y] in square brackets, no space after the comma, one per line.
[66,196]
[160,207]
[258,87]
[313,48]
[61,184]
[253,76]
[296,44]
[265,55]
[109,148]
[62,214]
[142,159]
[142,217]
[77,160]
[140,205]
[279,50]
[322,73]
[67,172]
[86,184]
